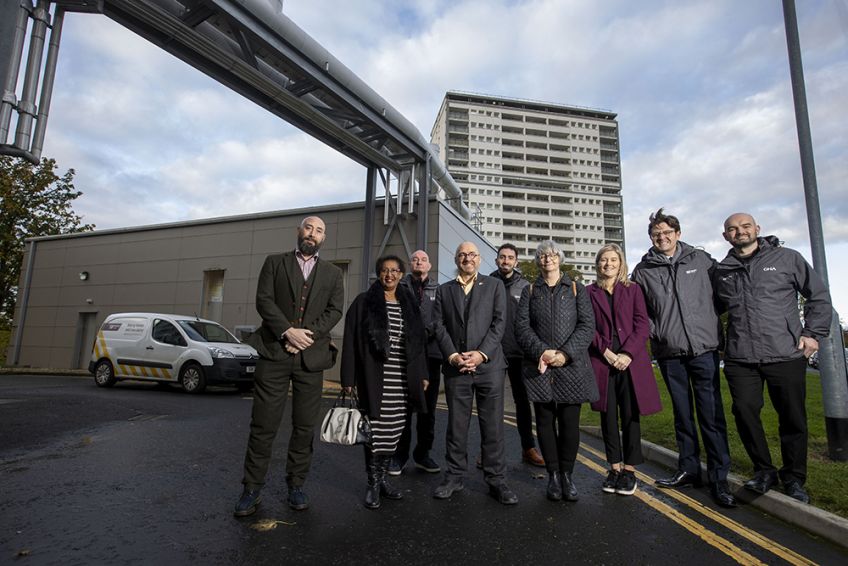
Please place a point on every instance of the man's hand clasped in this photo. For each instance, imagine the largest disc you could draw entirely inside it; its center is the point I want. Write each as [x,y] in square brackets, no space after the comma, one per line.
[809,345]
[467,362]
[297,340]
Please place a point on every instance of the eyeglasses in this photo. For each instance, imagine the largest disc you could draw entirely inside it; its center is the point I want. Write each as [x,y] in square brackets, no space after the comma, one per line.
[393,271]
[469,255]
[549,257]
[666,233]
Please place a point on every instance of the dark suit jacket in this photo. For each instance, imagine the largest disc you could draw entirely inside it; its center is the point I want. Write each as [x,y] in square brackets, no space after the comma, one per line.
[276,295]
[633,327]
[484,328]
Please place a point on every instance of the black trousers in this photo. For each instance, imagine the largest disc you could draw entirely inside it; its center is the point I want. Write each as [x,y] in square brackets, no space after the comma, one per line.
[621,402]
[558,428]
[487,389]
[270,392]
[787,388]
[523,413]
[425,425]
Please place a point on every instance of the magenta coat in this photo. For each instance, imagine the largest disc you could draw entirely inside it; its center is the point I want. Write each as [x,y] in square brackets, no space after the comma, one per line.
[633,328]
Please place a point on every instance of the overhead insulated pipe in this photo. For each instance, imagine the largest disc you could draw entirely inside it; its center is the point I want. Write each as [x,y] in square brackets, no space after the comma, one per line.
[14,51]
[26,106]
[47,85]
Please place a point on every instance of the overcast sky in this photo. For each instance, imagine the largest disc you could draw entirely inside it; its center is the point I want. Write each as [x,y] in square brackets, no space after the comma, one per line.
[701,89]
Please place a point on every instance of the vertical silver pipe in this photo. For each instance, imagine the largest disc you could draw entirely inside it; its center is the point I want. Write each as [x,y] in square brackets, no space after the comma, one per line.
[831,357]
[368,226]
[26,106]
[47,85]
[11,79]
[423,205]
[23,302]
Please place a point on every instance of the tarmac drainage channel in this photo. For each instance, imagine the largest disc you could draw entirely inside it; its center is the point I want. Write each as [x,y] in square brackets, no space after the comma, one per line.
[143,417]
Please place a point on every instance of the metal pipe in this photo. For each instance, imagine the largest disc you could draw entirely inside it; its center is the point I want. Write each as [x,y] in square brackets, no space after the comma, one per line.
[831,357]
[26,106]
[9,100]
[47,84]
[368,225]
[423,205]
[23,302]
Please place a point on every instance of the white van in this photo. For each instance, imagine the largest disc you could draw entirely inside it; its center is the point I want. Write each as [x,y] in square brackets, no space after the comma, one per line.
[170,348]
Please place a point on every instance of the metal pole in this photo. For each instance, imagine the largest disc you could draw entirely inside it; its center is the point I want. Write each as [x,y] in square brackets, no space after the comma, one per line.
[26,106]
[47,85]
[423,204]
[368,226]
[13,28]
[834,378]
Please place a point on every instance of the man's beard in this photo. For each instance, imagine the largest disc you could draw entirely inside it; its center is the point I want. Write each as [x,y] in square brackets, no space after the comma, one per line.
[307,248]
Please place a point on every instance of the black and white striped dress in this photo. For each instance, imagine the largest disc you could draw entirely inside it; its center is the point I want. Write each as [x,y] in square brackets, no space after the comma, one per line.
[386,431]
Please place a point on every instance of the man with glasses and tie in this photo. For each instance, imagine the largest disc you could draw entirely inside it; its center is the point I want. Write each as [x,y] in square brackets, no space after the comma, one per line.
[685,337]
[469,323]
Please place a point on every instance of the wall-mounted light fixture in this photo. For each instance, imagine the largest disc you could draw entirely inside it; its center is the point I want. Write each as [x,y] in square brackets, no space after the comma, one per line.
[83,275]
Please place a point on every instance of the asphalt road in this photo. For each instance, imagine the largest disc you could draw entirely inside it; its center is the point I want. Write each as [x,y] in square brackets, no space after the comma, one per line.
[138,474]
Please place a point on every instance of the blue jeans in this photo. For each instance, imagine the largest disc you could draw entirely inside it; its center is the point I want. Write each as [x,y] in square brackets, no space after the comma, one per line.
[693,383]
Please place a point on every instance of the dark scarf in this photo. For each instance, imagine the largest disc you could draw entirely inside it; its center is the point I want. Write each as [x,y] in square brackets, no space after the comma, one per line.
[376,321]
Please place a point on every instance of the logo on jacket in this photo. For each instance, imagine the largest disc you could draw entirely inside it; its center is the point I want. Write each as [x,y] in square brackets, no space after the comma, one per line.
[769,269]
[688,271]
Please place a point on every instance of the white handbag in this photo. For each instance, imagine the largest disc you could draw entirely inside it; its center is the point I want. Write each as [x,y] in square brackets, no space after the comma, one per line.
[344,423]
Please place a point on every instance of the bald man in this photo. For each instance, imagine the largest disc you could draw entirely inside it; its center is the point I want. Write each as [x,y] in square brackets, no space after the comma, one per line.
[758,285]
[469,323]
[300,298]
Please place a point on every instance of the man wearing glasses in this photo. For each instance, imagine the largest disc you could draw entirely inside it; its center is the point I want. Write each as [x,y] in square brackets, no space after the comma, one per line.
[685,336]
[469,323]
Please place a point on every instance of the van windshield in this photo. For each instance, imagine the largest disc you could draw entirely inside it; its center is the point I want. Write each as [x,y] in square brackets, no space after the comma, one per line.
[207,332]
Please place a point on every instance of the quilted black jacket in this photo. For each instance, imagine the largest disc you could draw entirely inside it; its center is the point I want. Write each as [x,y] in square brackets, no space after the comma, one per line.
[554,318]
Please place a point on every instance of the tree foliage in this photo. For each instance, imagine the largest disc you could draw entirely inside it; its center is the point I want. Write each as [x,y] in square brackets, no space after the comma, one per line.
[530,270]
[34,201]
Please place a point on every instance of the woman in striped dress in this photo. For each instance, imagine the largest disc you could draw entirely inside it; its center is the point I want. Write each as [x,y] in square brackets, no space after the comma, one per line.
[384,356]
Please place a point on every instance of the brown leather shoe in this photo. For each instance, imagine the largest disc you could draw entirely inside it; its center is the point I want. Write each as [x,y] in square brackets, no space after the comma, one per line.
[532,456]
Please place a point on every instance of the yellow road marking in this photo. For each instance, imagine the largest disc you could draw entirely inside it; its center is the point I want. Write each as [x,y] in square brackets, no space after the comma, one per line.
[693,527]
[743,531]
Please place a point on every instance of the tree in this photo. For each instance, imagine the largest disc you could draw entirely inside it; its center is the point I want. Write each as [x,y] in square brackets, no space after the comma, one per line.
[34,201]
[530,270]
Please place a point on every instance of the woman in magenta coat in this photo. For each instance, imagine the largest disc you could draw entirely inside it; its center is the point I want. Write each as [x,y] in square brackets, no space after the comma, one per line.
[622,367]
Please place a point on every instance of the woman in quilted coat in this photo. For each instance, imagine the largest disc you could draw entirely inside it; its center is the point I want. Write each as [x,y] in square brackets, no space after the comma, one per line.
[554,328]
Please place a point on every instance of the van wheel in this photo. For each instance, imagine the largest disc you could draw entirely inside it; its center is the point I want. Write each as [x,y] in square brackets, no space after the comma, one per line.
[192,378]
[104,374]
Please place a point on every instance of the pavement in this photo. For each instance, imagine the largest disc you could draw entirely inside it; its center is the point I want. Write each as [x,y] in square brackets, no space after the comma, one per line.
[822,525]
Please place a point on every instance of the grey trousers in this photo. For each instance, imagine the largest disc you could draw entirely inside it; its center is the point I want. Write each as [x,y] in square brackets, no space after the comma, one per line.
[488,390]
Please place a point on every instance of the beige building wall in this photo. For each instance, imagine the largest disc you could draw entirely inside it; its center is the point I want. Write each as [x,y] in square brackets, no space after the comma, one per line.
[161,269]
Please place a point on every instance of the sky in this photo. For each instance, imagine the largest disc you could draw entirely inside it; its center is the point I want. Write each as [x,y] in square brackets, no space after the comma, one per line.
[701,89]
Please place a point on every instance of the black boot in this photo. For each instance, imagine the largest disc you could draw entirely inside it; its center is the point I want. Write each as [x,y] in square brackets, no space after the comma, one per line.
[569,491]
[372,493]
[554,487]
[386,490]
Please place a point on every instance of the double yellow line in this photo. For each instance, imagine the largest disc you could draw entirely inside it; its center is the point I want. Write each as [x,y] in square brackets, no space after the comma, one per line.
[694,527]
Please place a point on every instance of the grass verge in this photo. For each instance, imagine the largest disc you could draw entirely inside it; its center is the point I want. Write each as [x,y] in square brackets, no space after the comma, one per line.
[825,478]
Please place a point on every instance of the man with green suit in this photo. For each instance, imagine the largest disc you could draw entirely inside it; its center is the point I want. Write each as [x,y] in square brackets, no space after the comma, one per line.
[300,299]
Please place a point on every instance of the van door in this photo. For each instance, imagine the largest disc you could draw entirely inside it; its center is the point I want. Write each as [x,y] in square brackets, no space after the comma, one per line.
[164,350]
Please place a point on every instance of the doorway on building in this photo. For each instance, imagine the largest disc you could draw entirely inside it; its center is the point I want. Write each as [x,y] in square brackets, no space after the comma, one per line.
[84,342]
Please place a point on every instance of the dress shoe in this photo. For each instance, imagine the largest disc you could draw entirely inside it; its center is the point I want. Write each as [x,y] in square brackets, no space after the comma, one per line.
[447,488]
[569,491]
[247,503]
[503,494]
[609,484]
[721,494]
[531,456]
[680,479]
[554,486]
[626,484]
[761,482]
[796,491]
[428,465]
[297,498]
